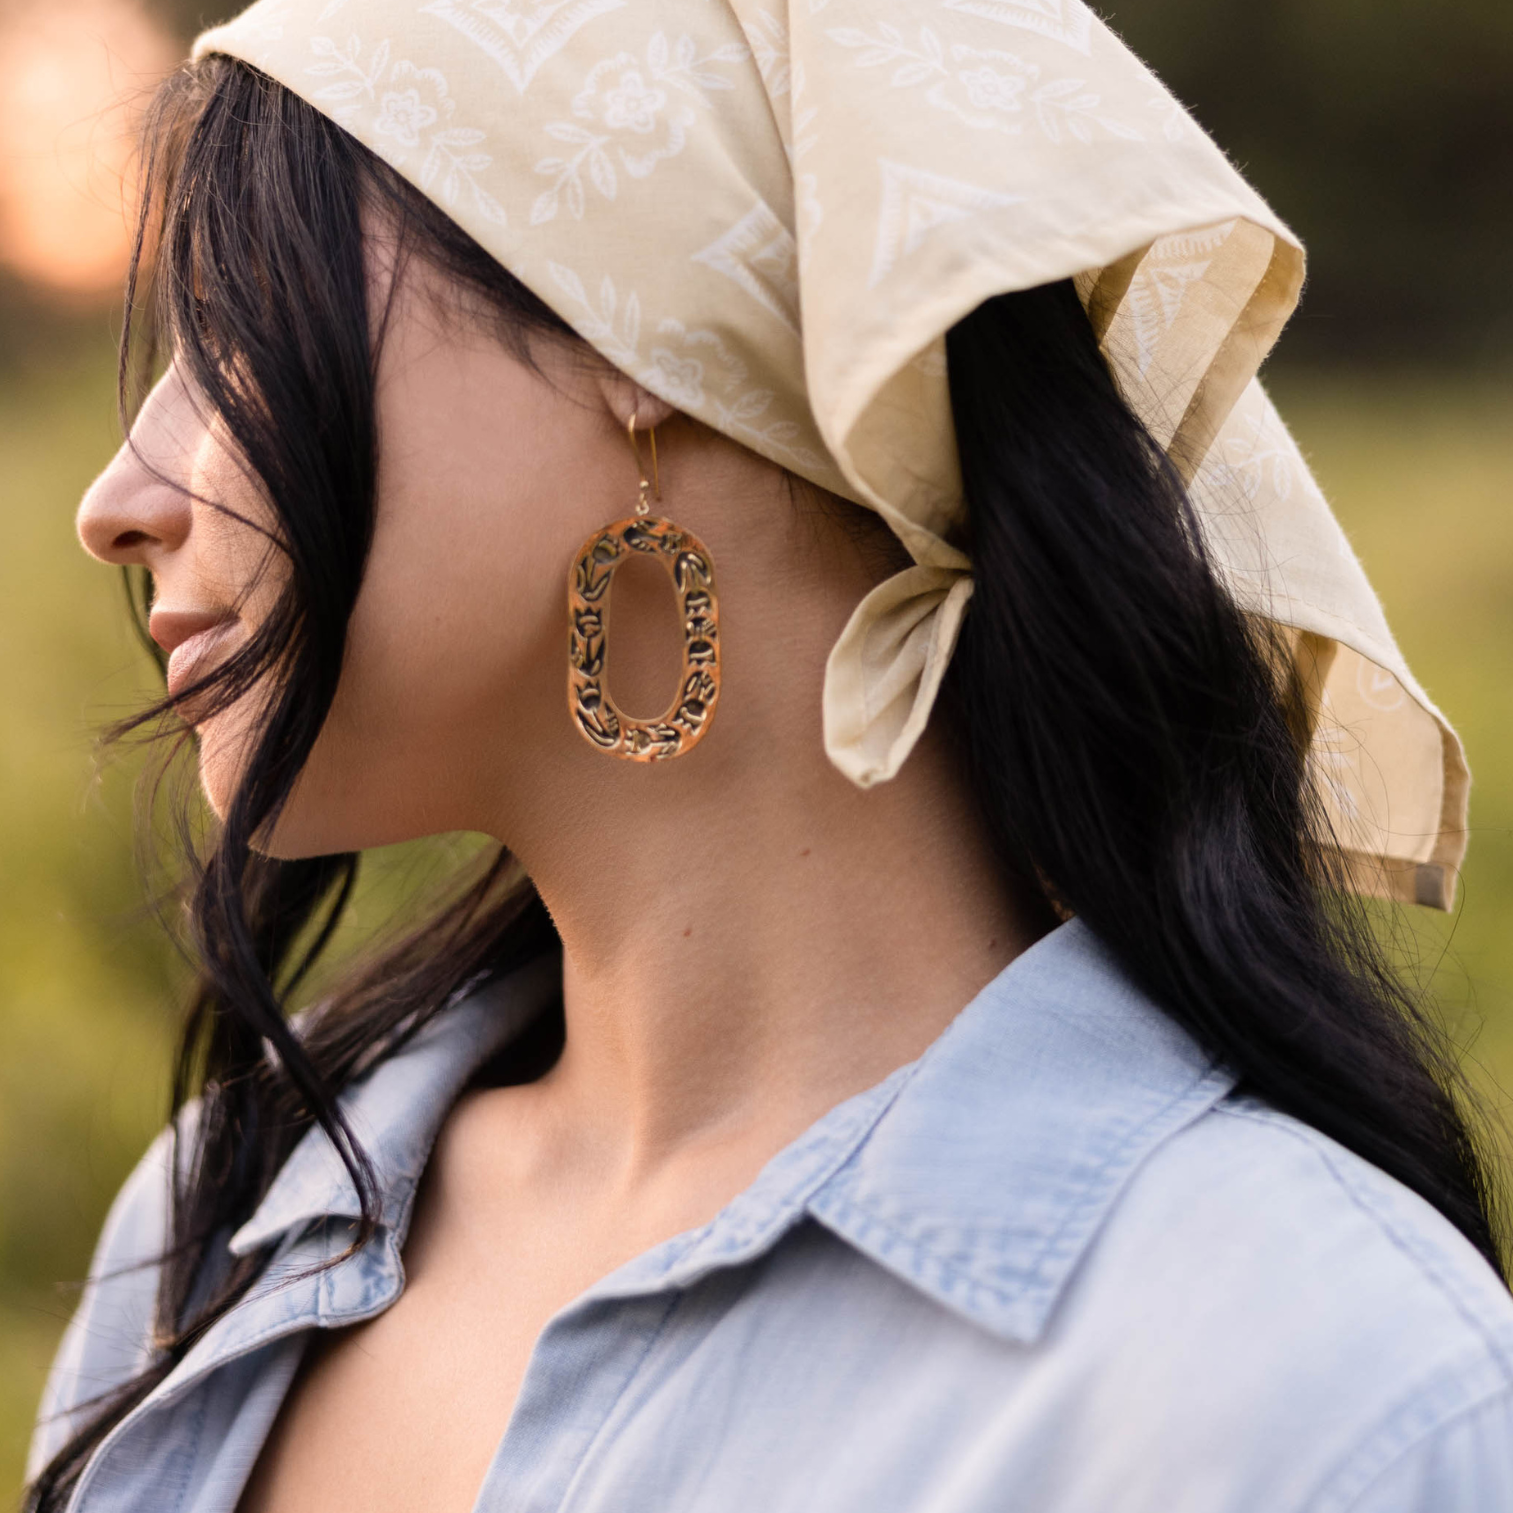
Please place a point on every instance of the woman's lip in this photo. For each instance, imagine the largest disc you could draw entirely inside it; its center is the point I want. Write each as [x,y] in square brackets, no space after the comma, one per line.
[186,661]
[171,627]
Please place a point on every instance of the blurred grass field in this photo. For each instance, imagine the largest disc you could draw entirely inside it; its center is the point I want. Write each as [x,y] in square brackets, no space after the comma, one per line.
[1421,472]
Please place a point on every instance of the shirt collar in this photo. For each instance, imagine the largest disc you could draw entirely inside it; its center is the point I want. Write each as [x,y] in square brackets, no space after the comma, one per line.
[990,1174]
[979,1174]
[397,1109]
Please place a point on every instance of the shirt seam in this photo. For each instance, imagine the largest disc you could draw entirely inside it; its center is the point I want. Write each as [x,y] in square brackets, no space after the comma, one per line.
[791,1207]
[189,1456]
[1501,1350]
[173,1389]
[151,1404]
[674,1302]
[1339,1496]
[1055,1246]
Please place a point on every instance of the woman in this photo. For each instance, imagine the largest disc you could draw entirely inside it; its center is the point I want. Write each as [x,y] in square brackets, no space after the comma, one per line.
[936,1064]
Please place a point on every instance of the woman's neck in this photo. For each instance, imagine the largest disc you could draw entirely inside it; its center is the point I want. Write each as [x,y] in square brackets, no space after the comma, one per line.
[751,963]
[749,938]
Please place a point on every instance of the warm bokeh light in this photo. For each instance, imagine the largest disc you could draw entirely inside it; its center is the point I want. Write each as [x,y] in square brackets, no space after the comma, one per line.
[76,72]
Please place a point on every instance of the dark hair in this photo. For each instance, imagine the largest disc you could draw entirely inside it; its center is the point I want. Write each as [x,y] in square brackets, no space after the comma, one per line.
[1135,754]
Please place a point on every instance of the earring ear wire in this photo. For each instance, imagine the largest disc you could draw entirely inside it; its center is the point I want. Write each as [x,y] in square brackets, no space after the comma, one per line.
[654,484]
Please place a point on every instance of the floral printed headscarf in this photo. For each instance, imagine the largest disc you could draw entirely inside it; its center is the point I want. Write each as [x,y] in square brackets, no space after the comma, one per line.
[768,212]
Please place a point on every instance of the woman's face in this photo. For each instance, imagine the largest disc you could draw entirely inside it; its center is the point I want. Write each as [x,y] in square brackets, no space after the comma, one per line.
[491,476]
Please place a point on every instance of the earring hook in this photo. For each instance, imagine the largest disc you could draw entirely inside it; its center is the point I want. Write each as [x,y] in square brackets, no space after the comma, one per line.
[652,485]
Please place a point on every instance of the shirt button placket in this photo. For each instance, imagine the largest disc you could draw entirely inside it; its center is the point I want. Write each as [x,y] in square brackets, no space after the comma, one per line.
[584,1361]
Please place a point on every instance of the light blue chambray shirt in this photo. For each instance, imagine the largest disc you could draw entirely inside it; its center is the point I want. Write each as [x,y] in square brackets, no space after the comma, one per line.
[1054,1265]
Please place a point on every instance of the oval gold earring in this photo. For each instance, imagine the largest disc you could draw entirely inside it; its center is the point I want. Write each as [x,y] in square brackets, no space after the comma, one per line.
[688,564]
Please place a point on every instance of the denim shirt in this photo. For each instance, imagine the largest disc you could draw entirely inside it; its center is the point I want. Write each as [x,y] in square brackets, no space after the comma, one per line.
[1053,1265]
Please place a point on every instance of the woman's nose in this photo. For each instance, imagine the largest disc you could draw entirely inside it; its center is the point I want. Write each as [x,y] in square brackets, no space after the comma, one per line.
[135,509]
[129,512]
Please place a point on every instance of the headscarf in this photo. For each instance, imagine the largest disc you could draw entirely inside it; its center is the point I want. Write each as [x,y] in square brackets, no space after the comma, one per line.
[769,212]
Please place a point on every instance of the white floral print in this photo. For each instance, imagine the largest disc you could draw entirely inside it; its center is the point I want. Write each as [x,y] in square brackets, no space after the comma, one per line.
[624,98]
[693,368]
[414,113]
[1333,757]
[631,106]
[521,36]
[760,256]
[767,35]
[680,379]
[1067,21]
[915,203]
[1175,124]
[1159,288]
[986,88]
[403,115]
[801,129]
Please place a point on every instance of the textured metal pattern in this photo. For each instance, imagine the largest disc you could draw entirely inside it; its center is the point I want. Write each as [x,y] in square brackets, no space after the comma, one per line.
[594,712]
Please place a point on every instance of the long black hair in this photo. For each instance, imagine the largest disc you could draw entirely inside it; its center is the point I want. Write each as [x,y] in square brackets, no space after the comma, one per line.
[1133,747]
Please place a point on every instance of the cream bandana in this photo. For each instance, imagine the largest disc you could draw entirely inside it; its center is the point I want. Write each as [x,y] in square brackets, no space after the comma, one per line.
[768,212]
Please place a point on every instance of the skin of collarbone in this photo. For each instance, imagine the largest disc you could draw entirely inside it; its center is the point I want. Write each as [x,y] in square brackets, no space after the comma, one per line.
[748,938]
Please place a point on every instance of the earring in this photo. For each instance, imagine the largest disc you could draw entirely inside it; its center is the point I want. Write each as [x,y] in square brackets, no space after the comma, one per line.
[691,569]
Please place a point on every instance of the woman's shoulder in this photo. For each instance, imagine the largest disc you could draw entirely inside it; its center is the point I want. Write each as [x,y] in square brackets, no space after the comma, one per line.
[1068,1170]
[109,1340]
[1246,1192]
[1276,1272]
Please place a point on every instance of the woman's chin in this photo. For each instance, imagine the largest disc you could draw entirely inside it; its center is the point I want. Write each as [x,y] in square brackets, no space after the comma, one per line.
[298,836]
[290,839]
[317,827]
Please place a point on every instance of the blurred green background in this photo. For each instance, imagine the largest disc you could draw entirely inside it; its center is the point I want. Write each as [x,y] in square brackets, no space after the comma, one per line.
[1381,129]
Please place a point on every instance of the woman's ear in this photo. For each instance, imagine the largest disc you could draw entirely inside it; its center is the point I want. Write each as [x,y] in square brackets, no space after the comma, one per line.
[625,398]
